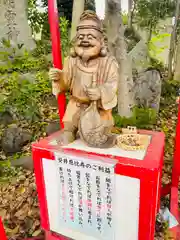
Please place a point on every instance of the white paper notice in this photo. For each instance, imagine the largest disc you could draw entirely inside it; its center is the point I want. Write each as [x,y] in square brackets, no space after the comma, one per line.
[86,192]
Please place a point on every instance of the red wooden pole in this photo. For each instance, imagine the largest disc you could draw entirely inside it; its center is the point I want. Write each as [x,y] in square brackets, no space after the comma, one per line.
[176,162]
[176,171]
[2,231]
[56,50]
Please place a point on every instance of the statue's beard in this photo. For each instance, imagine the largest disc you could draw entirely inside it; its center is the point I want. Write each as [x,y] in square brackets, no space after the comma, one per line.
[87,53]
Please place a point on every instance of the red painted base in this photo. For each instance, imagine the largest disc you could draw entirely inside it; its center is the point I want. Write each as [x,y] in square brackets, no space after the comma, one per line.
[175,232]
[174,208]
[53,236]
[35,238]
[172,188]
[148,171]
[175,211]
[2,232]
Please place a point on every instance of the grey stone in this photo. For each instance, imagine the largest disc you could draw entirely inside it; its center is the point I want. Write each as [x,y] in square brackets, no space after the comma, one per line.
[6,118]
[25,162]
[147,83]
[139,56]
[14,138]
[52,128]
[147,87]
[14,23]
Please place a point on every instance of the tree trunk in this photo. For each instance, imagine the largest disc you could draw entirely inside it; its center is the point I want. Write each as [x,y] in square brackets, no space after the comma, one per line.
[172,41]
[130,3]
[177,62]
[14,23]
[117,46]
[78,8]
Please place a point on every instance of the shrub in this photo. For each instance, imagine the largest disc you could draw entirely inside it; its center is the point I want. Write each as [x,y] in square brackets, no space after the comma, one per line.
[17,94]
[23,97]
[142,118]
[18,59]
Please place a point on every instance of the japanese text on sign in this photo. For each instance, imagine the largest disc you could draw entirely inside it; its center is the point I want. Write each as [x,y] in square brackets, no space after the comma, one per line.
[86,195]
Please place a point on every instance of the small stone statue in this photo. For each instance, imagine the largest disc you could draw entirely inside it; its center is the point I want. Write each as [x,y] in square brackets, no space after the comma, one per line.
[90,74]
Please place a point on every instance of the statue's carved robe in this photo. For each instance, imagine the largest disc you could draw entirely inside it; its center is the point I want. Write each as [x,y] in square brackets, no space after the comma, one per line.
[78,77]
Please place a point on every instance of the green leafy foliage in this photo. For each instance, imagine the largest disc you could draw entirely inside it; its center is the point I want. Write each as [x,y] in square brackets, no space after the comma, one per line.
[35,17]
[142,118]
[23,97]
[6,171]
[39,22]
[16,58]
[125,18]
[65,41]
[170,89]
[64,25]
[17,93]
[150,12]
[157,46]
[24,88]
[43,47]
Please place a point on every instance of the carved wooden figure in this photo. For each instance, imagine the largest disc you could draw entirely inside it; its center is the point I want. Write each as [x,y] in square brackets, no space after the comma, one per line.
[90,73]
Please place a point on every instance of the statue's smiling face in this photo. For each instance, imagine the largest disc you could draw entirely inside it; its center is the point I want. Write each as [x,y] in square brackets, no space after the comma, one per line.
[88,44]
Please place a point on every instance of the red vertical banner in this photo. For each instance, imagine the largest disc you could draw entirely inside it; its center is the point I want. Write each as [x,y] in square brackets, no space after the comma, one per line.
[2,231]
[56,50]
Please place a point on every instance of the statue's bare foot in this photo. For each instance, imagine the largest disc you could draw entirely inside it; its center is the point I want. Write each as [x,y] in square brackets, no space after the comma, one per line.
[66,137]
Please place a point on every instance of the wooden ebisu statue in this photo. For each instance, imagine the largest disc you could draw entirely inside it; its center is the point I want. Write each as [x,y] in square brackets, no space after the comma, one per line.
[90,73]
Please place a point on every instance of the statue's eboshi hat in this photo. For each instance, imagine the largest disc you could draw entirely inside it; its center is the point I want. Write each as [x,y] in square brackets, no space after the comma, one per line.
[95,21]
